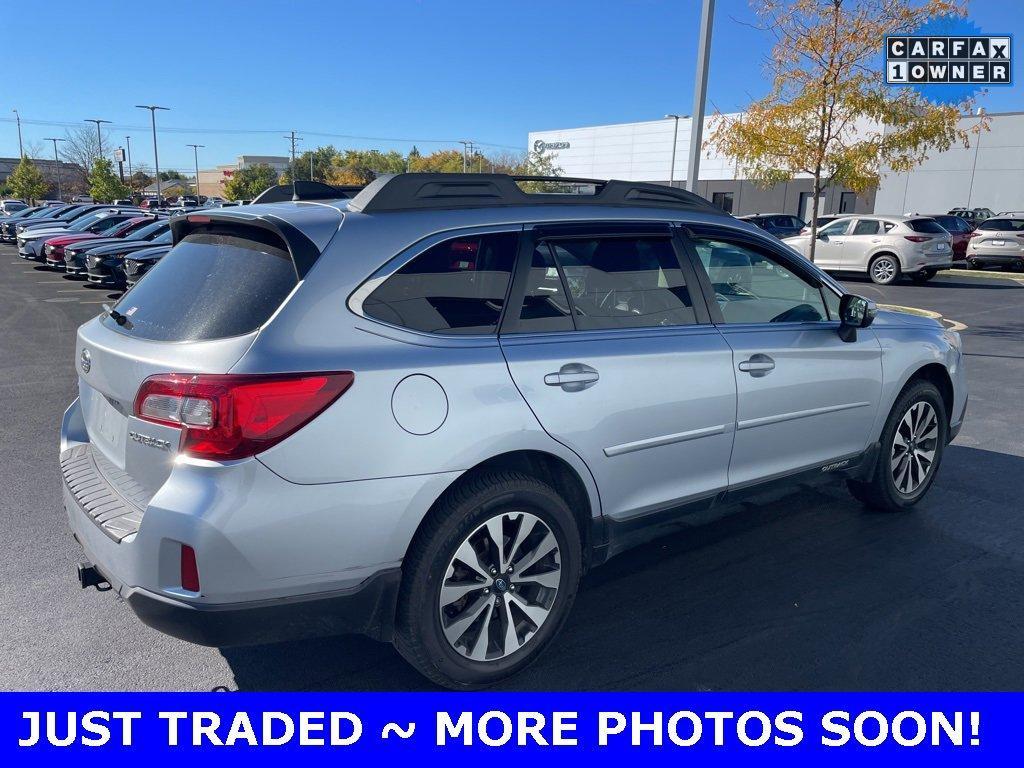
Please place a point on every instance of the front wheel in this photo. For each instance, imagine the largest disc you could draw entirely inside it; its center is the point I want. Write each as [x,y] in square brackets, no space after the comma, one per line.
[488,581]
[911,448]
[884,270]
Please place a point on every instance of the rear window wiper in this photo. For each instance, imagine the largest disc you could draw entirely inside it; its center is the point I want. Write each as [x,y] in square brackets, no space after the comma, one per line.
[116,316]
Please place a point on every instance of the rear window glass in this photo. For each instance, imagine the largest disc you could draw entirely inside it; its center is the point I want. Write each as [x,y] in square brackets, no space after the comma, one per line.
[209,286]
[927,226]
[455,287]
[1003,225]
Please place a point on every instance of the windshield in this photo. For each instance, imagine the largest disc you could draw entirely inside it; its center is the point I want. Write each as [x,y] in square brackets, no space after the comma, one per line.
[81,224]
[148,231]
[23,214]
[70,212]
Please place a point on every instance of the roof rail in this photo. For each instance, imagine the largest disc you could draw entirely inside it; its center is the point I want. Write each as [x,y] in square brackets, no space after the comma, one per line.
[426,191]
[306,190]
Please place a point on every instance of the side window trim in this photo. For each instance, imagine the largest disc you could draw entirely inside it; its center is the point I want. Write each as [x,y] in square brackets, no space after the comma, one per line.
[690,232]
[355,300]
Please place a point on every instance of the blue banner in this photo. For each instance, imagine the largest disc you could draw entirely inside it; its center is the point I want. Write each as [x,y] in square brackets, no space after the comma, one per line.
[599,729]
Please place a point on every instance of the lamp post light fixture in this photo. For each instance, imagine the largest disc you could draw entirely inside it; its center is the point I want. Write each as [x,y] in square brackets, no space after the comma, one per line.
[99,135]
[156,159]
[56,162]
[195,151]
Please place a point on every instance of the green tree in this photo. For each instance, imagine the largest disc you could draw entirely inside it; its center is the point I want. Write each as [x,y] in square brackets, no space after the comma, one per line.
[247,183]
[357,166]
[322,157]
[27,181]
[171,175]
[441,161]
[826,88]
[104,185]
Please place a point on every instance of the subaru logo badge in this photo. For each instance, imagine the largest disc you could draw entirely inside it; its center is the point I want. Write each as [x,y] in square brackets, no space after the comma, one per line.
[86,361]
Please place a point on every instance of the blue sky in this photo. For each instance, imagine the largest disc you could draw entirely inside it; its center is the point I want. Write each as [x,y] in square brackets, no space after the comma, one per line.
[396,72]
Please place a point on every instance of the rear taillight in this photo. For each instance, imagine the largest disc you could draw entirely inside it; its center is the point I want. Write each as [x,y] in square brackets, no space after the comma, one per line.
[189,569]
[917,238]
[233,416]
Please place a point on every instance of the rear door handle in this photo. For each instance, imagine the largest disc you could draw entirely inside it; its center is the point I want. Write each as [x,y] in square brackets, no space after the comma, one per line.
[758,365]
[572,377]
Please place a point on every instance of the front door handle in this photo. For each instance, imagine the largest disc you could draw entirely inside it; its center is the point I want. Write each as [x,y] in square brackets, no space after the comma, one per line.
[758,365]
[572,377]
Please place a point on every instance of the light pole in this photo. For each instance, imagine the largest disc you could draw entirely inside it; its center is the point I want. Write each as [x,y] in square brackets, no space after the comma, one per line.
[21,150]
[700,92]
[293,138]
[195,151]
[99,136]
[156,160]
[128,140]
[56,162]
[675,139]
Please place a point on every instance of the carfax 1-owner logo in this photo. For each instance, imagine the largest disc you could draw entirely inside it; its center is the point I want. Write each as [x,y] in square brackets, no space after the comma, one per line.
[974,59]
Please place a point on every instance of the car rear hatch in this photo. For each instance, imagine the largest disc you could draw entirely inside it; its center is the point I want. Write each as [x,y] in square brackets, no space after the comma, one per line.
[198,311]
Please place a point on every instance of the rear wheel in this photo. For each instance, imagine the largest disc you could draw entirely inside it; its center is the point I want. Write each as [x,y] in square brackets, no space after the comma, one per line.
[884,269]
[488,581]
[974,264]
[911,448]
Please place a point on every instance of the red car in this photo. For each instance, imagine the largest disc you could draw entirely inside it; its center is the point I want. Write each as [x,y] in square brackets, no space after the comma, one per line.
[53,250]
[960,229]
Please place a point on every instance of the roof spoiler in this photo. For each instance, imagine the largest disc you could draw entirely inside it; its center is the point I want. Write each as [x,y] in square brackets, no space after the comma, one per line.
[303,251]
[306,190]
[425,191]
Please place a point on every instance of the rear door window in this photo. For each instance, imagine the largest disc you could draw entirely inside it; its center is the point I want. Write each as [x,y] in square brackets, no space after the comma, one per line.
[624,282]
[866,227]
[211,285]
[456,287]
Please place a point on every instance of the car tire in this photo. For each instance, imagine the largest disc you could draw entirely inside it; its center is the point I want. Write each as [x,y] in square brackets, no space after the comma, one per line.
[884,269]
[923,276]
[888,488]
[432,633]
[973,264]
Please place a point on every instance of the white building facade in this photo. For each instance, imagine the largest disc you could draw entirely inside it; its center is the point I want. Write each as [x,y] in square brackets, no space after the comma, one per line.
[988,174]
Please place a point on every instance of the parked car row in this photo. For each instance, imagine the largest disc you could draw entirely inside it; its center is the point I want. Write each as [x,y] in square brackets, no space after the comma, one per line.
[917,246]
[91,240]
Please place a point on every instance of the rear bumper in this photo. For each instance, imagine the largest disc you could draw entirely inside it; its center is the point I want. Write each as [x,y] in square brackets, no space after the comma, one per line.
[1003,260]
[276,559]
[367,609]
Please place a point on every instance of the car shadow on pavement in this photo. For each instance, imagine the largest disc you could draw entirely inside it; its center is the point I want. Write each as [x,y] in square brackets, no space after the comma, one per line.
[809,591]
[995,283]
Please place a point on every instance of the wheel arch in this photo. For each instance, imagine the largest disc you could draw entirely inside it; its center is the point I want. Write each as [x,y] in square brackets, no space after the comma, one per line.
[577,489]
[937,374]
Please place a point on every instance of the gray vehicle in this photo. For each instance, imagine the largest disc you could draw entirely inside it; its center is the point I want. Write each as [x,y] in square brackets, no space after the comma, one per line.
[997,242]
[423,413]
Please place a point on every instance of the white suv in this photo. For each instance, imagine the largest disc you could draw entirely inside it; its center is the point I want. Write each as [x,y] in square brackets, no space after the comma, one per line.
[884,247]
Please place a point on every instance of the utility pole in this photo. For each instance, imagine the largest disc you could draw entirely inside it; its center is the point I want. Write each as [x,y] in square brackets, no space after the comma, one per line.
[21,149]
[195,151]
[465,154]
[99,136]
[293,138]
[128,140]
[156,159]
[56,162]
[675,140]
[700,91]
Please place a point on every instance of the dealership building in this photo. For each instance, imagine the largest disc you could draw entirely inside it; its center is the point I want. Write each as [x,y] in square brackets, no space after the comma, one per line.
[988,174]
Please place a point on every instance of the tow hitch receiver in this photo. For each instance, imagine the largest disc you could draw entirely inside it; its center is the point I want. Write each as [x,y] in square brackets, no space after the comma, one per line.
[89,576]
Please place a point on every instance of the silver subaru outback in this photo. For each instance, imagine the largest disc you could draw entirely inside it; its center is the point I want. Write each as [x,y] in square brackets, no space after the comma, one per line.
[422,413]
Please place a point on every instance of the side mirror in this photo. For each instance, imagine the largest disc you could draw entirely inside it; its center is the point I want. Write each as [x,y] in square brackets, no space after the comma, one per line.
[822,235]
[855,312]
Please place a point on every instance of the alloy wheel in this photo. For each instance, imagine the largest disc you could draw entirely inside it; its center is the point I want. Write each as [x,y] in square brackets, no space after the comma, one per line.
[500,586]
[913,448]
[883,270]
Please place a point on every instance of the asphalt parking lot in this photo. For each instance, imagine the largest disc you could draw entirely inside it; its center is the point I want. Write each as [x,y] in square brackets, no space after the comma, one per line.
[808,592]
